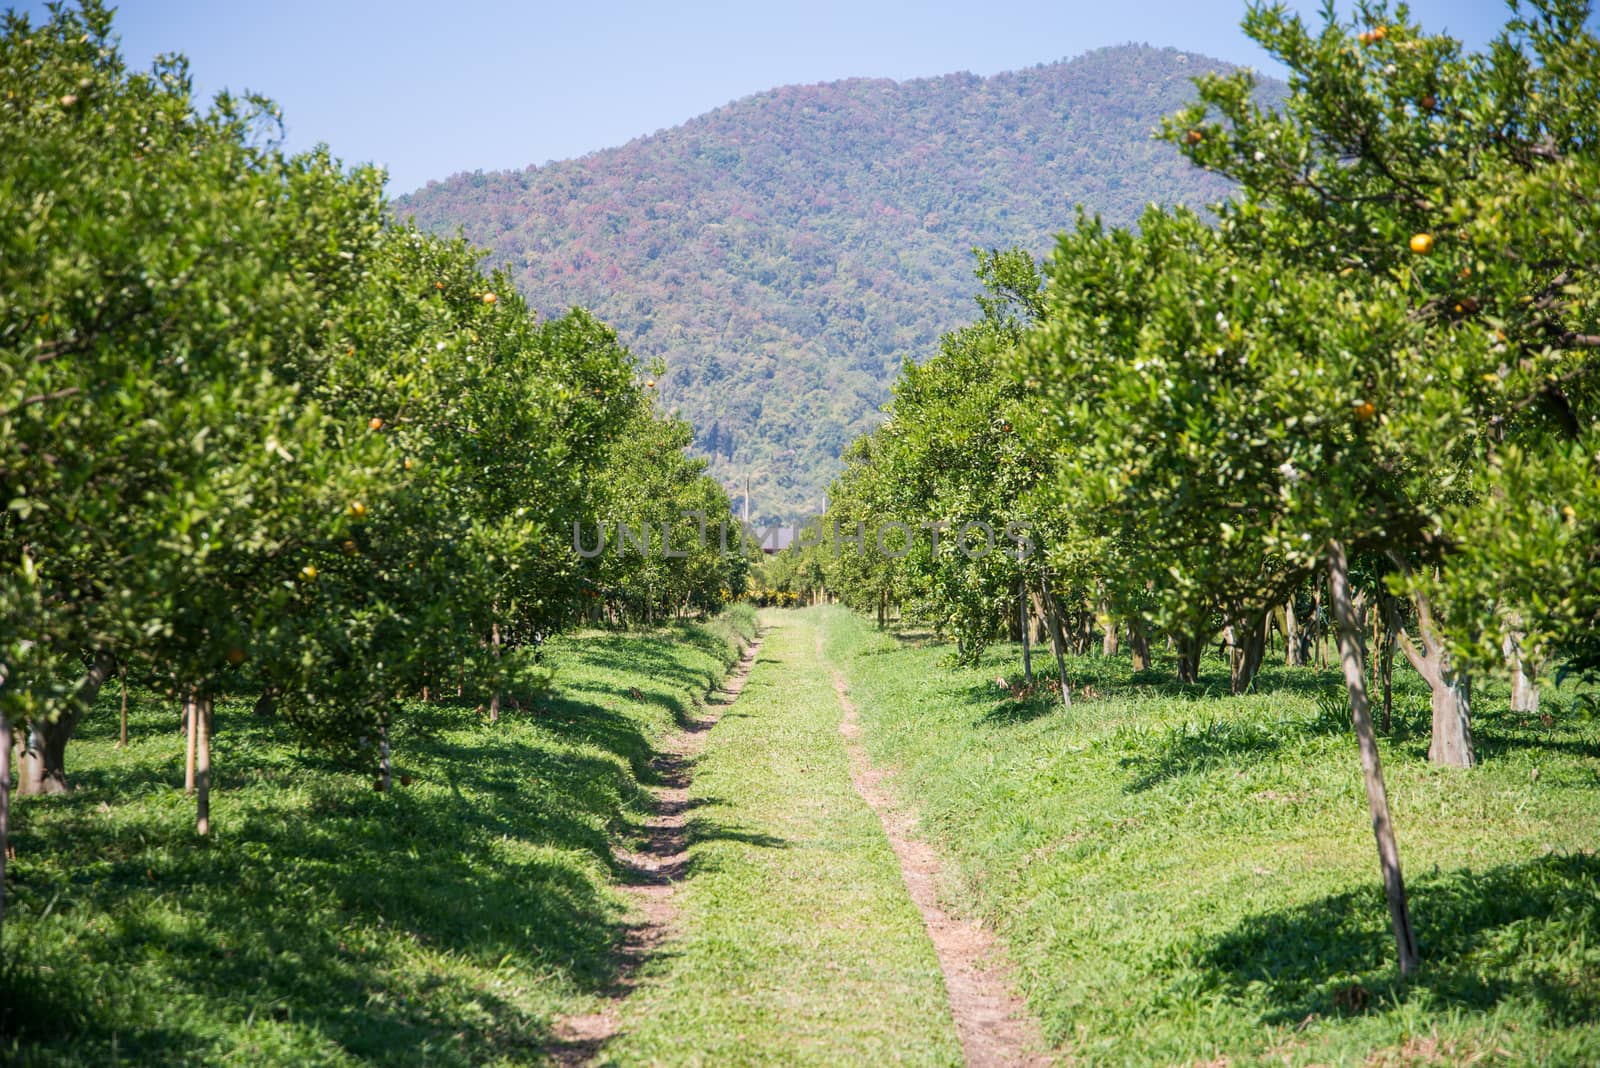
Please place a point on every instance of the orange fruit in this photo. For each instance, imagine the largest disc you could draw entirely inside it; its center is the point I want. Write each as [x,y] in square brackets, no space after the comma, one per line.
[308,572]
[489,298]
[358,510]
[236,656]
[1422,244]
[1193,137]
[374,423]
[1364,410]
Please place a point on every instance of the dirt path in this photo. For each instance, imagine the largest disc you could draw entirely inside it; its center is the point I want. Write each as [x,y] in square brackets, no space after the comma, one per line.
[993,1024]
[653,873]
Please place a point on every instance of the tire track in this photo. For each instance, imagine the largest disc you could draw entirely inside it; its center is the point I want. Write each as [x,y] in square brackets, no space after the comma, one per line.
[994,1025]
[653,873]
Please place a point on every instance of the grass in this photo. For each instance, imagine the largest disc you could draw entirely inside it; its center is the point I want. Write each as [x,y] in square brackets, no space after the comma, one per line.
[1181,876]
[1185,876]
[801,945]
[448,922]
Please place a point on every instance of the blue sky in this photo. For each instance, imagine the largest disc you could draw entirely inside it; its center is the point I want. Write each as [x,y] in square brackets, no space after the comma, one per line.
[429,89]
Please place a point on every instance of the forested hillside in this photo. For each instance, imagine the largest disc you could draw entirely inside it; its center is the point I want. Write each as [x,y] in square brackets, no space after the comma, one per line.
[783,255]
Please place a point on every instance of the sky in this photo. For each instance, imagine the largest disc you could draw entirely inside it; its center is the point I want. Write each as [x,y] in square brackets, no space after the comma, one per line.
[431,89]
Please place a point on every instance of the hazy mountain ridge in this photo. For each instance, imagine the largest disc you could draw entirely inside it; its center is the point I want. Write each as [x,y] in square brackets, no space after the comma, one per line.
[784,253]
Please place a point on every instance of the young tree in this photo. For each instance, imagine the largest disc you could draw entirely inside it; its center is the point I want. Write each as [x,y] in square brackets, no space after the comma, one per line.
[1468,183]
[1260,430]
[158,263]
[936,492]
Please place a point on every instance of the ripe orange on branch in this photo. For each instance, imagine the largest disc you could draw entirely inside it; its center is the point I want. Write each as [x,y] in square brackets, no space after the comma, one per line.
[1364,410]
[374,423]
[1422,244]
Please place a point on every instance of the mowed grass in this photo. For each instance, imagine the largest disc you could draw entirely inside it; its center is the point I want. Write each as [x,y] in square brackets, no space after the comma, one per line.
[445,923]
[799,943]
[1185,877]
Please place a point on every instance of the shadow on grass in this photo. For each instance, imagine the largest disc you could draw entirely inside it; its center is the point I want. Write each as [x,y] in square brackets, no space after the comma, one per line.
[373,924]
[1191,749]
[1335,956]
[307,912]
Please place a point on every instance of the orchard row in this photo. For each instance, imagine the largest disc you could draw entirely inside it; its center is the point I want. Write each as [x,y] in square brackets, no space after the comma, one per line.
[256,436]
[1367,392]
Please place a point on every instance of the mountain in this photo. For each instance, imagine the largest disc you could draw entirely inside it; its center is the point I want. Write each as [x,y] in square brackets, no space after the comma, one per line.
[782,255]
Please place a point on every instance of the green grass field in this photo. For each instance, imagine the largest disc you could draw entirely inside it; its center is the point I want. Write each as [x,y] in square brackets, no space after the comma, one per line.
[1188,876]
[445,923]
[1181,877]
[801,945]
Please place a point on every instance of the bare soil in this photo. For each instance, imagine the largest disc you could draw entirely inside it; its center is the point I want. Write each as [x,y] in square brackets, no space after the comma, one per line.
[652,873]
[994,1025]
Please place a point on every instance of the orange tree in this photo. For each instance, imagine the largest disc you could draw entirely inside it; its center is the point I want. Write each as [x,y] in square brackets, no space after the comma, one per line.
[496,426]
[931,491]
[1470,184]
[661,535]
[1217,414]
[1332,370]
[250,431]
[159,263]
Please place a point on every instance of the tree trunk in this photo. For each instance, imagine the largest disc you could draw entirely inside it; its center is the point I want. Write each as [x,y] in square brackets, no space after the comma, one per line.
[44,759]
[494,700]
[1524,690]
[5,817]
[1349,638]
[1027,650]
[1377,645]
[1452,717]
[191,733]
[1057,640]
[1292,656]
[1451,742]
[1139,644]
[202,777]
[1319,659]
[1041,618]
[383,757]
[1247,647]
[1189,649]
[122,732]
[267,703]
[1108,631]
[1387,674]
